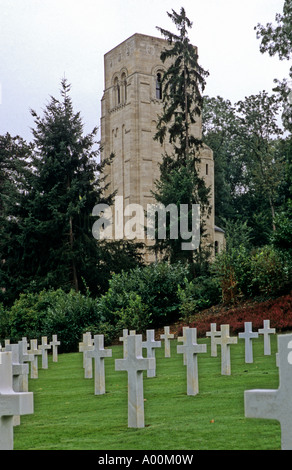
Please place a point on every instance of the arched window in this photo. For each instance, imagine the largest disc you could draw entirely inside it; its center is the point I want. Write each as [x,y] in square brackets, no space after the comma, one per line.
[117,92]
[159,86]
[124,87]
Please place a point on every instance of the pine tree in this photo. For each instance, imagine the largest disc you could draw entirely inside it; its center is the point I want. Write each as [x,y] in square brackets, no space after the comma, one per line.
[53,245]
[15,159]
[182,86]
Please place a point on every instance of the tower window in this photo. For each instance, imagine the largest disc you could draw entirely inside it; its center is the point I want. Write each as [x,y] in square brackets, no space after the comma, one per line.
[207,169]
[124,88]
[159,86]
[117,92]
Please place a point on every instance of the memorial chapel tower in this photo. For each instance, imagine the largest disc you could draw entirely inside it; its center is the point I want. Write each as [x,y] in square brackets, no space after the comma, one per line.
[130,105]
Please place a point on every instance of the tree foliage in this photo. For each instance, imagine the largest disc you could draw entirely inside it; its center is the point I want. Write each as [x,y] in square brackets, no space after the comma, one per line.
[251,161]
[48,241]
[277,39]
[182,86]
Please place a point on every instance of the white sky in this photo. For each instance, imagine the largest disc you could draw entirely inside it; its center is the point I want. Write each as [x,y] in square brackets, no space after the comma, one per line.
[41,41]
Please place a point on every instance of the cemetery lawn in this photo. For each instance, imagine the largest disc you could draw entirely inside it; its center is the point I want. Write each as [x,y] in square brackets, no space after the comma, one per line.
[68,416]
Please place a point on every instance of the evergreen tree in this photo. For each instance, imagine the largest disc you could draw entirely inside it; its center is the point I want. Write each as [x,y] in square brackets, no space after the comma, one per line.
[52,244]
[182,86]
[14,164]
[15,158]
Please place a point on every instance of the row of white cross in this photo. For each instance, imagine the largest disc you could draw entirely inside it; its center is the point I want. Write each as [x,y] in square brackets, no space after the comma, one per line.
[15,400]
[258,403]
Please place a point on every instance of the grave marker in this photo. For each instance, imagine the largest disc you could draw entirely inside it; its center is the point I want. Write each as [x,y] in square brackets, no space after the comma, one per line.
[44,347]
[134,364]
[213,333]
[86,345]
[98,353]
[276,404]
[150,344]
[11,403]
[18,371]
[35,352]
[123,339]
[191,349]
[248,335]
[183,339]
[166,336]
[54,344]
[24,357]
[267,331]
[225,342]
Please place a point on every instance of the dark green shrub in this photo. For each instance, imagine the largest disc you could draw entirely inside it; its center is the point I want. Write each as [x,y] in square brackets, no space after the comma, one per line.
[143,296]
[268,270]
[244,273]
[199,293]
[232,269]
[53,312]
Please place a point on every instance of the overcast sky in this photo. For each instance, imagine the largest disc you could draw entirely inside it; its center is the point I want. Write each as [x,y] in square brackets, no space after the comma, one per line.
[41,41]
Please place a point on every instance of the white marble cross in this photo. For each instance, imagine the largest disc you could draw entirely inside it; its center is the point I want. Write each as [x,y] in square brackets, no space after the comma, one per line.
[150,344]
[24,357]
[54,344]
[86,345]
[183,339]
[213,333]
[134,363]
[11,403]
[191,349]
[98,353]
[18,369]
[267,331]
[166,336]
[276,404]
[248,335]
[225,341]
[123,339]
[19,372]
[44,347]
[35,352]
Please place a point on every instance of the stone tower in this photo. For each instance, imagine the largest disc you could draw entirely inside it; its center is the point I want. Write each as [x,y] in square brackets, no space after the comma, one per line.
[130,106]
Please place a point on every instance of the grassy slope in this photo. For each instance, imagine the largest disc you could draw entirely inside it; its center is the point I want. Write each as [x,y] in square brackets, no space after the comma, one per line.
[69,416]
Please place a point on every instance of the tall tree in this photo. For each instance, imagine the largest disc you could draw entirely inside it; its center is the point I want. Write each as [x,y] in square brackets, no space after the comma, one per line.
[182,86]
[277,40]
[52,240]
[14,164]
[258,132]
[251,161]
[15,159]
[220,123]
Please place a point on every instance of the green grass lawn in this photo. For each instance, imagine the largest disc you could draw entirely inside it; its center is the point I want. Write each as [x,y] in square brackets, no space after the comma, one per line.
[68,416]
